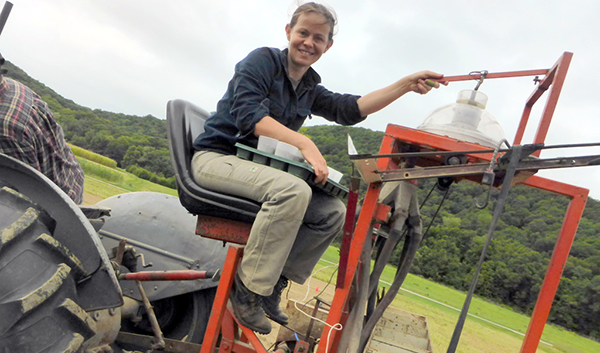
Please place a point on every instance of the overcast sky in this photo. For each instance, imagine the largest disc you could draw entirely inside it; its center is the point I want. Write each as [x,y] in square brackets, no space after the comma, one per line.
[132,56]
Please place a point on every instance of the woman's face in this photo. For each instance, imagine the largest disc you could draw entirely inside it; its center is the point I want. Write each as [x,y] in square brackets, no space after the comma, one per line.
[309,39]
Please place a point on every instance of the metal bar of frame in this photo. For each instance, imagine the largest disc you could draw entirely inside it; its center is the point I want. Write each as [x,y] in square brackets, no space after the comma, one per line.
[554,81]
[560,254]
[329,337]
[348,230]
[234,254]
[477,76]
[557,83]
[181,275]
[554,76]
[254,345]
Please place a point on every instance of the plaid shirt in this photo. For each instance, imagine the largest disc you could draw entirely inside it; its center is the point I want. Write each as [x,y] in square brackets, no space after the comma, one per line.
[29,132]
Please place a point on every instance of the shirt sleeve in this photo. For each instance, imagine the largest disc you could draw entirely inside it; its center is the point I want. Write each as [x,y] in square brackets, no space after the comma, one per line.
[251,84]
[18,144]
[55,158]
[339,108]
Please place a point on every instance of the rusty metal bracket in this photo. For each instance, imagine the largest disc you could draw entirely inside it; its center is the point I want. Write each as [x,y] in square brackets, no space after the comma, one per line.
[482,75]
[301,347]
[158,335]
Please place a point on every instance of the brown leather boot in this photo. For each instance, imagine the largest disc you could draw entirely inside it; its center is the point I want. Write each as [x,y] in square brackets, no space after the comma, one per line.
[271,303]
[247,308]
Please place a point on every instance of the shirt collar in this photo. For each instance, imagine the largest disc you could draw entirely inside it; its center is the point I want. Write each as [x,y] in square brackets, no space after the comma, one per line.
[310,79]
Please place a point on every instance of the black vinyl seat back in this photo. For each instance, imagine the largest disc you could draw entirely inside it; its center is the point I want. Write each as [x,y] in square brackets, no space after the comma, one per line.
[185,121]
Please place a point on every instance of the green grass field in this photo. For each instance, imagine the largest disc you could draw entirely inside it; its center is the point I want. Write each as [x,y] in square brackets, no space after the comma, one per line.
[490,331]
[479,335]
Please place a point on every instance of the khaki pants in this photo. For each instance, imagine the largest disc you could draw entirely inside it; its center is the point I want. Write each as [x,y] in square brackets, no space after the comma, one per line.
[293,228]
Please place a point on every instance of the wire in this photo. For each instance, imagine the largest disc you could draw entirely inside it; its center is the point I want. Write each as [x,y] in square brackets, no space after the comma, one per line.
[436,213]
[427,197]
[338,326]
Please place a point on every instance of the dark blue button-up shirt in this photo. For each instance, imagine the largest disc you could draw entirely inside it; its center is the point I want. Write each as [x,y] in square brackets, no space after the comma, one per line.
[261,87]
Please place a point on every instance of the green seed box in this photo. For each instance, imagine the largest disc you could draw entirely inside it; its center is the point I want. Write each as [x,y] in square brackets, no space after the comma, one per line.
[301,170]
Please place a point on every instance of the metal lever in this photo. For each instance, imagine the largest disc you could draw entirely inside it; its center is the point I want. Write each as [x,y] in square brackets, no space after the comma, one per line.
[488,179]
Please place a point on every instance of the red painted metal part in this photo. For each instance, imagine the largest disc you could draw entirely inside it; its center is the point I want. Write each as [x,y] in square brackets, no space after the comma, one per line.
[559,257]
[222,322]
[301,347]
[554,82]
[382,212]
[342,293]
[557,83]
[477,76]
[184,275]
[255,345]
[348,230]
[247,343]
[215,322]
[223,229]
[329,338]
[397,136]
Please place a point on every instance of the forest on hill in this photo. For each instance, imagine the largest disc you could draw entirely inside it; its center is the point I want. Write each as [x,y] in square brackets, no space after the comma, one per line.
[517,259]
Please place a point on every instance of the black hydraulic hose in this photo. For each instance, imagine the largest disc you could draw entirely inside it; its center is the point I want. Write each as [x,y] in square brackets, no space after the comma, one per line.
[385,252]
[393,239]
[380,243]
[403,266]
[499,207]
[408,254]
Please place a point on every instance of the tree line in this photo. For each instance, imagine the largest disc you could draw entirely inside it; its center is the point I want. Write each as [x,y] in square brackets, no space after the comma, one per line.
[517,259]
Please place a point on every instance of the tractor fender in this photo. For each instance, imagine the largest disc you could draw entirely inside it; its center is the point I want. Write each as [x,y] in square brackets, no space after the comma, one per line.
[99,289]
[163,231]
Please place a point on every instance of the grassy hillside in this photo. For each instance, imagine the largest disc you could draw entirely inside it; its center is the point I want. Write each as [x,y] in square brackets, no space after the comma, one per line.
[103,182]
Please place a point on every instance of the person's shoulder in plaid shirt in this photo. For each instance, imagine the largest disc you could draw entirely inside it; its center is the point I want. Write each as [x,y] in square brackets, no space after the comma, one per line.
[29,132]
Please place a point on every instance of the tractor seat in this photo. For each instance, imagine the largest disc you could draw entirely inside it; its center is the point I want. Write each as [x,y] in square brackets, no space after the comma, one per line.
[185,121]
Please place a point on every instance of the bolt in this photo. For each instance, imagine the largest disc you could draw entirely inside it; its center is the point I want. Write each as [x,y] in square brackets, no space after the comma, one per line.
[454,160]
[112,311]
[96,315]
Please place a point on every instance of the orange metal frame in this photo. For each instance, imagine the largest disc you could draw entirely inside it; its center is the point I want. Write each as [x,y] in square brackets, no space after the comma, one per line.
[222,322]
[551,83]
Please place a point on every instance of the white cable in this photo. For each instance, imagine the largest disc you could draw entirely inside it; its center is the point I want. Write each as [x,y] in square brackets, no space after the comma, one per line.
[338,326]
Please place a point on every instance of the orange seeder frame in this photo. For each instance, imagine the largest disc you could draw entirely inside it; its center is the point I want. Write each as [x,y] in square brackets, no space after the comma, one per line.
[552,82]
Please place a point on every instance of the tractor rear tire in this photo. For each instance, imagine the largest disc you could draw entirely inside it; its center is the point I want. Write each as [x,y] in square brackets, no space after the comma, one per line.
[183,317]
[38,276]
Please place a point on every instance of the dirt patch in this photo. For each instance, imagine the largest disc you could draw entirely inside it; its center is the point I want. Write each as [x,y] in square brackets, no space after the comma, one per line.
[299,293]
[89,199]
